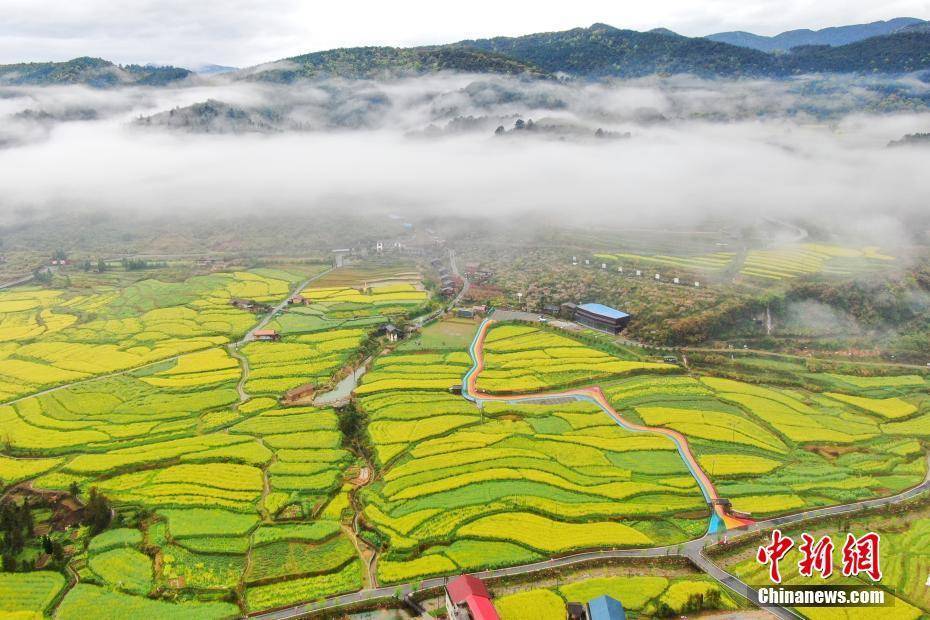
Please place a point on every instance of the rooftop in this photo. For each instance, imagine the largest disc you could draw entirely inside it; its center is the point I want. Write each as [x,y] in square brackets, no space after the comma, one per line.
[606,608]
[603,310]
[462,587]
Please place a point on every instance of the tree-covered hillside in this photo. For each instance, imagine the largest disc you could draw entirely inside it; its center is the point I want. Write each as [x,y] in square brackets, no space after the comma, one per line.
[372,62]
[95,72]
[603,50]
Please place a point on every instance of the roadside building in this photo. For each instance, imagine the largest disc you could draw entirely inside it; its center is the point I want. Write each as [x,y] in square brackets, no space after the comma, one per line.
[298,300]
[465,313]
[267,335]
[468,599]
[602,317]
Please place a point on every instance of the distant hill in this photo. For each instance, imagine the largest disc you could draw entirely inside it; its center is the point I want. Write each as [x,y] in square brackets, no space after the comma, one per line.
[839,35]
[89,72]
[903,52]
[373,62]
[211,69]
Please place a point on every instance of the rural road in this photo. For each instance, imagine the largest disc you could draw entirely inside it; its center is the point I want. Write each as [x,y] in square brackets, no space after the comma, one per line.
[692,550]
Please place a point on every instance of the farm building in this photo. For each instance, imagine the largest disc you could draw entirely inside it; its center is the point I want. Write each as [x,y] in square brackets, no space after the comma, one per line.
[465,313]
[266,335]
[602,317]
[468,599]
[298,300]
[390,330]
[567,310]
[605,608]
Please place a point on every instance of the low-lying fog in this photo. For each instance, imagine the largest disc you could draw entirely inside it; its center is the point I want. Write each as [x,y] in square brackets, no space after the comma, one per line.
[673,150]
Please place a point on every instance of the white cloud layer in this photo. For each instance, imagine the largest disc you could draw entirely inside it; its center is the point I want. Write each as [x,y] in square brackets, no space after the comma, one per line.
[680,170]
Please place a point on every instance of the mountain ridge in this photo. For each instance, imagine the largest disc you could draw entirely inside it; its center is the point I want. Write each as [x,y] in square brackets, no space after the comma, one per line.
[598,51]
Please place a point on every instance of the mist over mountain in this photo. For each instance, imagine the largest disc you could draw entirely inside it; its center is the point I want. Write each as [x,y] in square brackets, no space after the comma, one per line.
[833,36]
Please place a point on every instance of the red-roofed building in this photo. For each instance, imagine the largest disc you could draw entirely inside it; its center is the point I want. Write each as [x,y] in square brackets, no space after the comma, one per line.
[468,599]
[266,334]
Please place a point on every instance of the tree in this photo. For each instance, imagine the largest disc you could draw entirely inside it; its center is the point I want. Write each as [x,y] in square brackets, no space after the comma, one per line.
[499,131]
[97,513]
[74,489]
[47,546]
[519,125]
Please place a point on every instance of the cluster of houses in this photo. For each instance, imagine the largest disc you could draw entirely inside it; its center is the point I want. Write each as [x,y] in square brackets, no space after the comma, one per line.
[467,598]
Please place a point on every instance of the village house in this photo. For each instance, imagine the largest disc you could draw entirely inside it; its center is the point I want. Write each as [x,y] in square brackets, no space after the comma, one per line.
[266,335]
[468,599]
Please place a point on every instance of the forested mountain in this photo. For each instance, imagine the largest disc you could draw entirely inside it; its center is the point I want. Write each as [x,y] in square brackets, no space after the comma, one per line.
[597,51]
[90,72]
[368,62]
[838,35]
[897,53]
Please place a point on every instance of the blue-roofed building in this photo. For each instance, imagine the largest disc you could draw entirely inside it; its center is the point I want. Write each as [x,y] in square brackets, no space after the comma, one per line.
[605,608]
[602,317]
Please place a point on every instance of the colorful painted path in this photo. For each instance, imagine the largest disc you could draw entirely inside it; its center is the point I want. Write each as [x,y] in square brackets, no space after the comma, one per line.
[720,520]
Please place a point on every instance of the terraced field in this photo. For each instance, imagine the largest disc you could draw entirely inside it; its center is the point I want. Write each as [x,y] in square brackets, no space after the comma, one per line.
[464,488]
[710,262]
[776,450]
[50,337]
[217,473]
[811,258]
[525,358]
[248,501]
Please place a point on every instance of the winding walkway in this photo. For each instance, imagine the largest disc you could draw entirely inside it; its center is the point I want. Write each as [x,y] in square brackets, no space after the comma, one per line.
[720,519]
